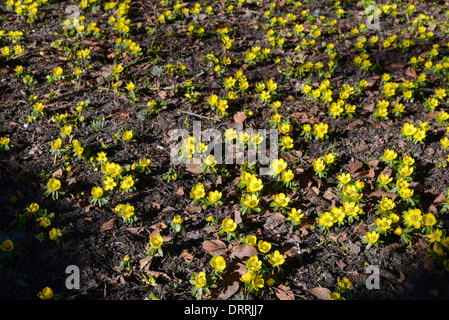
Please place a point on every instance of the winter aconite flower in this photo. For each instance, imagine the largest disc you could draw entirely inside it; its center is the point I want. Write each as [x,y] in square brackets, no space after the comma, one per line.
[53,188]
[344,284]
[264,246]
[228,225]
[56,235]
[372,237]
[197,192]
[156,243]
[218,263]
[276,259]
[46,294]
[254,264]
[7,246]
[278,165]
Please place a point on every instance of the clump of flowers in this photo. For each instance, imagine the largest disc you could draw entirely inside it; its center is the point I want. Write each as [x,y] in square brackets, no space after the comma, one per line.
[127,213]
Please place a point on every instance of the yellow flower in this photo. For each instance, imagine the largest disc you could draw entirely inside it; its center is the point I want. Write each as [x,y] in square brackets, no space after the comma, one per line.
[409,129]
[435,235]
[265,95]
[218,263]
[276,259]
[156,241]
[55,234]
[384,223]
[7,246]
[38,107]
[97,192]
[264,246]
[33,207]
[406,171]
[197,192]
[405,193]
[125,210]
[344,284]
[46,294]
[66,130]
[287,175]
[214,196]
[351,192]
[257,282]
[329,158]
[320,129]
[278,165]
[429,219]
[336,296]
[58,71]
[281,200]
[372,237]
[177,219]
[390,154]
[228,225]
[253,263]
[245,177]
[130,86]
[200,280]
[318,165]
[247,277]
[128,135]
[109,183]
[295,214]
[326,219]
[386,204]
[254,184]
[351,208]
[413,218]
[210,161]
[144,162]
[287,142]
[285,128]
[384,179]
[344,178]
[54,184]
[251,240]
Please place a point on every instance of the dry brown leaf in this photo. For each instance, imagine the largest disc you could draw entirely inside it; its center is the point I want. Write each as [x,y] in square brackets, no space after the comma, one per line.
[162,94]
[57,174]
[231,282]
[109,225]
[354,166]
[239,117]
[144,263]
[353,247]
[214,247]
[180,191]
[440,199]
[185,255]
[194,169]
[193,209]
[320,292]
[284,293]
[243,251]
[411,72]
